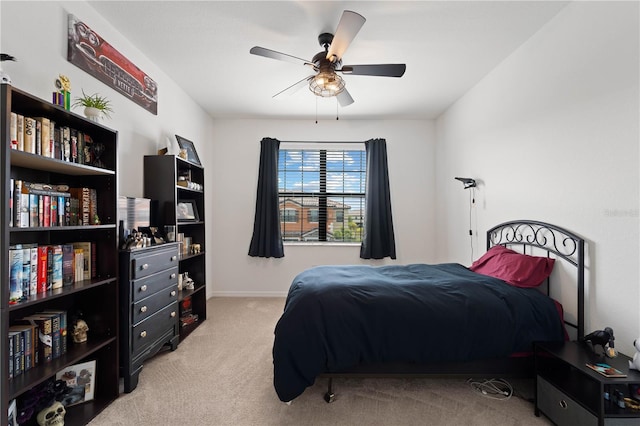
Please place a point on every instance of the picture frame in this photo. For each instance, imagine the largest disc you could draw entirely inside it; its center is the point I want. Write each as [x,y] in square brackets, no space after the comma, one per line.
[81,378]
[187,211]
[192,154]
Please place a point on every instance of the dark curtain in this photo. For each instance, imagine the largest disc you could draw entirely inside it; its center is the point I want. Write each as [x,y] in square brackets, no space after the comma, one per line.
[378,241]
[267,239]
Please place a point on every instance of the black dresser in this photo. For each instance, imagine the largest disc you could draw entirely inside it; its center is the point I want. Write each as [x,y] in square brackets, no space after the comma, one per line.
[148,306]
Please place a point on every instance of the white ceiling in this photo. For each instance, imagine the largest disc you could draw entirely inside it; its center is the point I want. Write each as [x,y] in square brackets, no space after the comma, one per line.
[448,47]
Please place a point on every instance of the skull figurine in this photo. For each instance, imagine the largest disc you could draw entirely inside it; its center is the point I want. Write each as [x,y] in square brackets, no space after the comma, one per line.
[52,415]
[80,329]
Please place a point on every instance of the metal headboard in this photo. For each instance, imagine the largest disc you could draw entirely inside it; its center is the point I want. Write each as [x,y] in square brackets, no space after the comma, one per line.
[562,243]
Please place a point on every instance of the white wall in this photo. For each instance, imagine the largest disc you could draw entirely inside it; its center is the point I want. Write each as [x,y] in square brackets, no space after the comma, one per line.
[41,49]
[410,146]
[552,134]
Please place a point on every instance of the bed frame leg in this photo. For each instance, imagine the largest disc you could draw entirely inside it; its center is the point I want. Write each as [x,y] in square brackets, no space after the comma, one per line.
[329,396]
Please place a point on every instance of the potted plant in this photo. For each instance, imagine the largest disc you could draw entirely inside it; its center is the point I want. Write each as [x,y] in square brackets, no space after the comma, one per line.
[94,105]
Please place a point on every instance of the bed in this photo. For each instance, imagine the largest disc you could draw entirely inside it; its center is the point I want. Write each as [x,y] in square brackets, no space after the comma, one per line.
[443,319]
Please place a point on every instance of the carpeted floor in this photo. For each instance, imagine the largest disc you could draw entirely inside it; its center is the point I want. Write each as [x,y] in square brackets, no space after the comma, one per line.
[222,375]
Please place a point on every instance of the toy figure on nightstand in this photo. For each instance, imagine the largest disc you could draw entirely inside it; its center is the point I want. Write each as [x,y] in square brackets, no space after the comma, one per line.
[634,364]
[603,338]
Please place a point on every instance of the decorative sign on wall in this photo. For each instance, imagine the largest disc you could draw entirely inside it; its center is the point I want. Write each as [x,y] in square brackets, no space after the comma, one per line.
[87,50]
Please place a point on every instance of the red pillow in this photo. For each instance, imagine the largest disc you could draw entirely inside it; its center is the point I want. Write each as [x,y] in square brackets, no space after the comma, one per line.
[515,268]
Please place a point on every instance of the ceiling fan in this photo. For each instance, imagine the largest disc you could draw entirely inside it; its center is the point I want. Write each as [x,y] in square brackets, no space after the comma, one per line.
[326,82]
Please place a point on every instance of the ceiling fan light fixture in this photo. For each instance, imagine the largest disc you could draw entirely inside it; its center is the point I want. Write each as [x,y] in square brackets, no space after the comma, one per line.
[326,84]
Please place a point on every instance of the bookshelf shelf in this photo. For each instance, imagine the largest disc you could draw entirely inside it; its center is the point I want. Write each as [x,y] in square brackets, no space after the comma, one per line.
[96,299]
[161,172]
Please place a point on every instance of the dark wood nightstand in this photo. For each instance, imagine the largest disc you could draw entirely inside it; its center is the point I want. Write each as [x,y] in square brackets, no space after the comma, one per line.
[570,393]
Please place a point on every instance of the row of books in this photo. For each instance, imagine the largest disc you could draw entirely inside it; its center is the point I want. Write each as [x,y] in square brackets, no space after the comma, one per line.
[41,136]
[35,269]
[43,205]
[36,339]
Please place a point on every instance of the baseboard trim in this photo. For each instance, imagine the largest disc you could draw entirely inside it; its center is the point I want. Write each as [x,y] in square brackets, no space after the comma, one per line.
[248,294]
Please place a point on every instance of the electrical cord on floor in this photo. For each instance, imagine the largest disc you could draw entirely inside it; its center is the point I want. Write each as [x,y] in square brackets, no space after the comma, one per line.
[492,388]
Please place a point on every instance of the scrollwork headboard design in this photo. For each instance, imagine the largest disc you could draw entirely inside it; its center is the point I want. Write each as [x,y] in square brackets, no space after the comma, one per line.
[552,239]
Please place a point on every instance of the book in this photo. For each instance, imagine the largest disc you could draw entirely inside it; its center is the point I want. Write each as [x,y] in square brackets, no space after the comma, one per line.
[84,204]
[67,265]
[21,205]
[46,211]
[37,143]
[78,264]
[81,378]
[29,135]
[56,281]
[93,207]
[56,343]
[43,275]
[87,258]
[20,132]
[26,270]
[57,143]
[34,218]
[17,342]
[13,130]
[62,315]
[53,214]
[45,338]
[11,212]
[45,140]
[65,143]
[33,282]
[606,370]
[74,145]
[63,210]
[15,274]
[12,342]
[27,333]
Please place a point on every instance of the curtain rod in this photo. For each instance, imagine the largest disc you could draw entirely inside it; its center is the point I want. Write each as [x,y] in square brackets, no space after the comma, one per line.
[361,142]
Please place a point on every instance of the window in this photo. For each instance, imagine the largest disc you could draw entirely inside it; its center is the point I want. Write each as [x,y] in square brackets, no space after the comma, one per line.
[314,214]
[327,188]
[288,215]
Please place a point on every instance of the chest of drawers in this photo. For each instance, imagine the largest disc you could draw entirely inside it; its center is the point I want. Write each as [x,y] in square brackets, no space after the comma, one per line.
[148,306]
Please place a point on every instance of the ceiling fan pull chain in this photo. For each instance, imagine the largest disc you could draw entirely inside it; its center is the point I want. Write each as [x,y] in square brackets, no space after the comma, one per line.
[316,110]
[337,117]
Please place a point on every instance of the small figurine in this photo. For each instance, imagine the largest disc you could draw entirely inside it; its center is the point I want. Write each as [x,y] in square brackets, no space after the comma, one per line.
[52,415]
[63,84]
[80,329]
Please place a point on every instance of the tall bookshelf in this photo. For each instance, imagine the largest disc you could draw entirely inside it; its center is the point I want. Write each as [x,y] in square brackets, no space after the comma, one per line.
[168,182]
[96,298]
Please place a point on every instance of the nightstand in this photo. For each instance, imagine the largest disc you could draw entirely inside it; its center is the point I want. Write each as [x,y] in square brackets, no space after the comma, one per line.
[569,393]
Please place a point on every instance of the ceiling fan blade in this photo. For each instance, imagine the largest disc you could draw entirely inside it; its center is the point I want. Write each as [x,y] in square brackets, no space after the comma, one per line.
[344,98]
[295,87]
[382,70]
[268,53]
[349,25]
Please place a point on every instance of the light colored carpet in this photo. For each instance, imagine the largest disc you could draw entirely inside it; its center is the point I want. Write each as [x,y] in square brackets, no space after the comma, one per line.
[222,374]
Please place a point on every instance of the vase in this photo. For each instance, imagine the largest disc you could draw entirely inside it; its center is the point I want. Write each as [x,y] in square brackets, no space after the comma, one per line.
[92,113]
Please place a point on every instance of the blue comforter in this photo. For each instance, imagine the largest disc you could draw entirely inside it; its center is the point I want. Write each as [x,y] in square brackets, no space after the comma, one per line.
[337,317]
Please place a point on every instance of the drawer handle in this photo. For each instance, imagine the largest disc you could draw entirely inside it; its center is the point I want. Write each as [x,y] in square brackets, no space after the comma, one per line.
[173,293]
[174,258]
[145,266]
[173,276]
[143,309]
[143,334]
[143,287]
[563,404]
[173,314]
